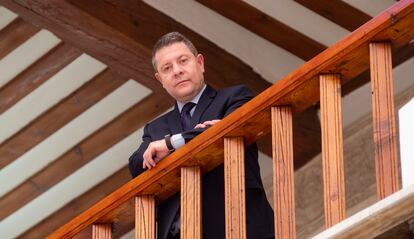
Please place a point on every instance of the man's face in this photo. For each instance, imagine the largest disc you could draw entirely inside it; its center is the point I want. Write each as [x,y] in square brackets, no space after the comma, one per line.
[179,71]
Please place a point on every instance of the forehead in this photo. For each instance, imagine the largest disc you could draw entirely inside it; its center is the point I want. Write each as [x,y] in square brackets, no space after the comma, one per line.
[172,52]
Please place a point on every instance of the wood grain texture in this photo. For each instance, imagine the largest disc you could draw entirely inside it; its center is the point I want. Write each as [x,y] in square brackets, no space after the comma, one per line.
[82,203]
[81,154]
[251,121]
[234,188]
[385,139]
[90,35]
[102,231]
[283,173]
[14,34]
[191,226]
[338,12]
[59,115]
[36,74]
[258,22]
[332,149]
[145,227]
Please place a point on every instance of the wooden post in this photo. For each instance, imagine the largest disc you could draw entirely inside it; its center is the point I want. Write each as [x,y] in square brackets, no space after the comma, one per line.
[385,141]
[102,231]
[234,188]
[191,203]
[283,173]
[145,217]
[332,149]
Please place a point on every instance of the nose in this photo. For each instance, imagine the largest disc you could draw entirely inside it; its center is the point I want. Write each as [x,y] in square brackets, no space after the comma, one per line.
[177,69]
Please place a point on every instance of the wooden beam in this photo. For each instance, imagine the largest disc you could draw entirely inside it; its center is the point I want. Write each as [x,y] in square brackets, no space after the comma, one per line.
[190,221]
[260,23]
[36,74]
[90,35]
[332,149]
[80,204]
[59,115]
[102,231]
[234,187]
[14,34]
[384,123]
[306,137]
[338,12]
[84,152]
[283,173]
[145,226]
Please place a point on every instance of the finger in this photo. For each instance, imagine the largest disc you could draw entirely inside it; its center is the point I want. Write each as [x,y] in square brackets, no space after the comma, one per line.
[200,126]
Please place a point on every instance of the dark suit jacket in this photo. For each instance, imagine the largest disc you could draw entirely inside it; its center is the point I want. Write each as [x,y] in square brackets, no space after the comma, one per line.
[212,105]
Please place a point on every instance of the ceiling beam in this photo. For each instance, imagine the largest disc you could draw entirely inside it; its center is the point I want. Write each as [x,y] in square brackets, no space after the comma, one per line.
[338,12]
[267,27]
[36,74]
[59,115]
[90,35]
[84,152]
[78,205]
[14,34]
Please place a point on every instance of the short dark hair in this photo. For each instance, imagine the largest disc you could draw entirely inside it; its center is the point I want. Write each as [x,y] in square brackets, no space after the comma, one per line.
[168,39]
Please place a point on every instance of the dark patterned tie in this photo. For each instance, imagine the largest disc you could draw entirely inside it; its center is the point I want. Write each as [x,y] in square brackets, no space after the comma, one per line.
[186,116]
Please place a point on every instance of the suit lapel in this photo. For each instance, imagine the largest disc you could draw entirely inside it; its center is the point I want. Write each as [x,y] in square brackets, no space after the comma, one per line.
[204,101]
[174,121]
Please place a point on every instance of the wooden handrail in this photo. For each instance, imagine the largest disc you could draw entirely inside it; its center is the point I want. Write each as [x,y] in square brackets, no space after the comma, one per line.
[300,89]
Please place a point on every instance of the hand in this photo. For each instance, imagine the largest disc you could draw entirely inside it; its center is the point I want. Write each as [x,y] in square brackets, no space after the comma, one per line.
[206,124]
[156,151]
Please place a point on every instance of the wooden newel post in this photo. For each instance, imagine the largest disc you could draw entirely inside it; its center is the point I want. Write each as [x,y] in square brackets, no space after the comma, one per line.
[145,217]
[102,231]
[385,140]
[332,149]
[283,173]
[191,203]
[234,188]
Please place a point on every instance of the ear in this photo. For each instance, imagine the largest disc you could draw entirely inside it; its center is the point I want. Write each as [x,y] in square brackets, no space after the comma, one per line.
[200,61]
[158,77]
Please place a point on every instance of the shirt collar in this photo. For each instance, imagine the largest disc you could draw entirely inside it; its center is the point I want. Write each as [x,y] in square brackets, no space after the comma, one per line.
[194,100]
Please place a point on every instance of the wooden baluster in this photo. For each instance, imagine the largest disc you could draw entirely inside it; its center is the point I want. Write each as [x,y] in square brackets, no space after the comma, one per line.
[145,217]
[332,149]
[385,141]
[234,188]
[191,203]
[283,173]
[102,231]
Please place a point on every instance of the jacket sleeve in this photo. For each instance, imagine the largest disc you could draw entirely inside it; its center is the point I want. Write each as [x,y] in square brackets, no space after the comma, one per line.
[240,96]
[136,159]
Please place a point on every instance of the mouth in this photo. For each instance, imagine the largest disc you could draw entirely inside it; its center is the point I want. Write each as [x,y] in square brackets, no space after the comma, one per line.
[181,82]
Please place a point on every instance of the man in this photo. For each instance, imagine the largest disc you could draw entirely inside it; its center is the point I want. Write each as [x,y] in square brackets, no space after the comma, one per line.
[180,70]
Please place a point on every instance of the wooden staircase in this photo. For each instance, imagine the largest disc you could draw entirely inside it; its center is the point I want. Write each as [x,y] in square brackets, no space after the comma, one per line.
[318,80]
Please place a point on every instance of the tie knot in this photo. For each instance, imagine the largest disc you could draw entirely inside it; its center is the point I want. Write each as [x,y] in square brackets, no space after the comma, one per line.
[187,108]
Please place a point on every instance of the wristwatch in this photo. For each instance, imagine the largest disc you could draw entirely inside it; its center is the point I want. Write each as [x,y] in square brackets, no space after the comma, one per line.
[168,143]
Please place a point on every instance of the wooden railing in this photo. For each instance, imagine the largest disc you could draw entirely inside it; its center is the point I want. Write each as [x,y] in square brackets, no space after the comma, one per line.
[320,79]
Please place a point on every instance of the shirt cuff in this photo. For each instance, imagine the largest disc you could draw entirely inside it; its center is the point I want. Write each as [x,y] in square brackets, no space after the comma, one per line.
[177,141]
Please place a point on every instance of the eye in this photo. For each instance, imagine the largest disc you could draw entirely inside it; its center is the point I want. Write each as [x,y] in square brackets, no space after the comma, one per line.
[166,68]
[183,60]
